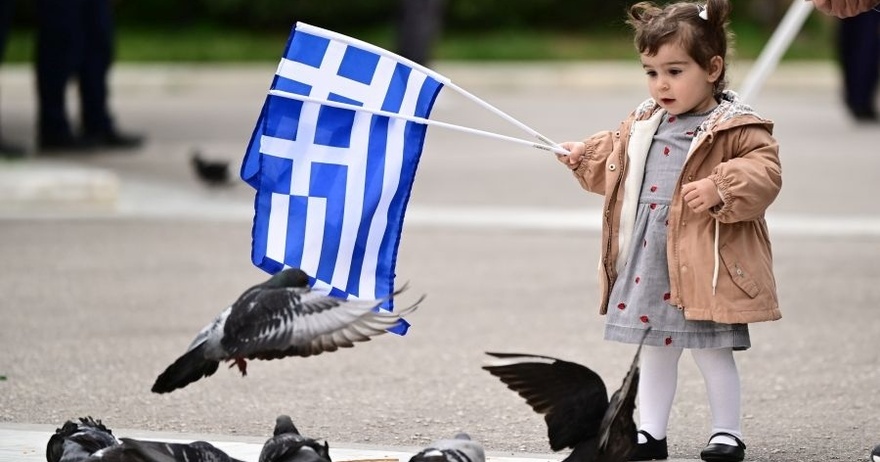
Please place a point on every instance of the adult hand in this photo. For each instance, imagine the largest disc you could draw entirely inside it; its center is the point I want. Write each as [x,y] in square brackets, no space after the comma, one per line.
[700,195]
[576,151]
[845,8]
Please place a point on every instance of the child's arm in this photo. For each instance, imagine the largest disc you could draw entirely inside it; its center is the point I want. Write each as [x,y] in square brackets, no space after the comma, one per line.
[750,181]
[587,160]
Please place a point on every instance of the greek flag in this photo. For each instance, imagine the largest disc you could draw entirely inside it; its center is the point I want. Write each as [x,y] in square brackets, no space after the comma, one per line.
[332,182]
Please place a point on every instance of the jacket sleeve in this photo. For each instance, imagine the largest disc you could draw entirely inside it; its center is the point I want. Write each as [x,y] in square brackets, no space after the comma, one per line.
[590,173]
[751,179]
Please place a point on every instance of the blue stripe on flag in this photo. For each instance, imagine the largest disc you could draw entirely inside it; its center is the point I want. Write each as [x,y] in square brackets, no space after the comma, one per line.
[329,181]
[296,224]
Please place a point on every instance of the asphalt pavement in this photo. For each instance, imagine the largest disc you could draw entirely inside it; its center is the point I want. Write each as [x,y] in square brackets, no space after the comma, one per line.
[112,261]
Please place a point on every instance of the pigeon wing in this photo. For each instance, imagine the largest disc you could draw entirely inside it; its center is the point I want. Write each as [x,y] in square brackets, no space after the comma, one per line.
[617,436]
[572,398]
[300,322]
[158,451]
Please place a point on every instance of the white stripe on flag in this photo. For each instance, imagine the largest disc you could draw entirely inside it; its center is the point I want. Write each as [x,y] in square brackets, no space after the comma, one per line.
[316,217]
[276,241]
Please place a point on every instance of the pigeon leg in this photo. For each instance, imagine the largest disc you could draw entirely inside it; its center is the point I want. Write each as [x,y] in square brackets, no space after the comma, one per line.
[241,363]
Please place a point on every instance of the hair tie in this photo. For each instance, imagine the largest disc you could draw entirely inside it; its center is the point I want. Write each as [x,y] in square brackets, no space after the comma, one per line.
[704,13]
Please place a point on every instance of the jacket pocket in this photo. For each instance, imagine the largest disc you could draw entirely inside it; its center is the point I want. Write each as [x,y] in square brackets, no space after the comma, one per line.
[738,273]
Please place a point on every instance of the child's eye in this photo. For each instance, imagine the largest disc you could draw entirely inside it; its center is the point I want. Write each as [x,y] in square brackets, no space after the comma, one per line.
[651,73]
[675,71]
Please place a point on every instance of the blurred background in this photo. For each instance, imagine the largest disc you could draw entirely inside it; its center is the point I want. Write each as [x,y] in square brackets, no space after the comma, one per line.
[248,30]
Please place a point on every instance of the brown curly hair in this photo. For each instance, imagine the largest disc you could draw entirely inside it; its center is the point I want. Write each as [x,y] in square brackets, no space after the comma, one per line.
[681,23]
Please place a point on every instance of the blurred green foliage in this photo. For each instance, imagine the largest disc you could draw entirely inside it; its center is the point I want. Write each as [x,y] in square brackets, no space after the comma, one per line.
[256,30]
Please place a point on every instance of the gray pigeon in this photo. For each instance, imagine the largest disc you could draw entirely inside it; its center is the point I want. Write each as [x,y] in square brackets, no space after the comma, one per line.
[76,442]
[280,317]
[461,448]
[288,445]
[575,404]
[132,450]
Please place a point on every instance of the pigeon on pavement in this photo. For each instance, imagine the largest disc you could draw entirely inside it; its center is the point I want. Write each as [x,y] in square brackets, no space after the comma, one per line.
[211,172]
[132,450]
[461,448]
[875,454]
[76,442]
[575,404]
[288,445]
[280,317]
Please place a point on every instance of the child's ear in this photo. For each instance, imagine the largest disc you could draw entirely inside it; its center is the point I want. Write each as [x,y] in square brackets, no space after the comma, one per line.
[716,65]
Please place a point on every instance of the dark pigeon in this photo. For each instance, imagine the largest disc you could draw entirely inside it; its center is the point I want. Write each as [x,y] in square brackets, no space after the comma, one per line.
[461,448]
[211,172]
[288,445]
[76,442]
[875,454]
[280,317]
[132,450]
[575,405]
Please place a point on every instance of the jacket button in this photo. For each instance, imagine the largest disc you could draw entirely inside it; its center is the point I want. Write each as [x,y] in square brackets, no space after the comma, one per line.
[612,167]
[684,268]
[690,178]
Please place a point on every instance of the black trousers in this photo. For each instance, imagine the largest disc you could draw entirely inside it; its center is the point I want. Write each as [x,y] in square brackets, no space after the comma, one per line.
[74,41]
[859,51]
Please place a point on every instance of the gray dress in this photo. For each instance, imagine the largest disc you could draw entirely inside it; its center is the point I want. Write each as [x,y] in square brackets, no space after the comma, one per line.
[640,295]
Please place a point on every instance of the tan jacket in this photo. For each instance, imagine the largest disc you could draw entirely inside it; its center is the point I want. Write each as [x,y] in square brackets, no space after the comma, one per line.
[720,262]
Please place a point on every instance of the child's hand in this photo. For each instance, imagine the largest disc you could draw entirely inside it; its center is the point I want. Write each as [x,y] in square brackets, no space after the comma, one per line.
[576,149]
[700,195]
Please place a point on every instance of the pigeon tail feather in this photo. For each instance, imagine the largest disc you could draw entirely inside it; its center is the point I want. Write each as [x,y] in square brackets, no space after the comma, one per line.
[185,370]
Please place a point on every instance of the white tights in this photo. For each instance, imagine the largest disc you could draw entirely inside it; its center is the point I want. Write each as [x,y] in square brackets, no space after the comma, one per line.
[659,377]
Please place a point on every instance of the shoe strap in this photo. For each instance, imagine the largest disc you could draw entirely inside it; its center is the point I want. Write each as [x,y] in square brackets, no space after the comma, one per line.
[648,436]
[735,438]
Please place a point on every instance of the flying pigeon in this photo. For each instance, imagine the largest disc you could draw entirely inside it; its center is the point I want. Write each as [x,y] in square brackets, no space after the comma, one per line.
[76,442]
[280,317]
[575,404]
[132,450]
[288,445]
[461,448]
[212,172]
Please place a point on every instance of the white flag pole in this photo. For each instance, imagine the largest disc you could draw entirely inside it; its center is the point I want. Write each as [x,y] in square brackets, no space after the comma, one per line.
[420,120]
[778,44]
[436,76]
[506,117]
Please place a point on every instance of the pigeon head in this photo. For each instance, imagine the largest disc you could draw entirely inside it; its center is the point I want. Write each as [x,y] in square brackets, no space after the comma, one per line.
[284,424]
[289,277]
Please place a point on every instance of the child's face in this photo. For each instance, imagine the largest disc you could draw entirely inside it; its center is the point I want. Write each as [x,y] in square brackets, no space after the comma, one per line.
[677,83]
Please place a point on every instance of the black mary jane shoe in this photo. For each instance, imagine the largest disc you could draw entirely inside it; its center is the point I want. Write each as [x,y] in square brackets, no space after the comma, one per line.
[718,452]
[652,449]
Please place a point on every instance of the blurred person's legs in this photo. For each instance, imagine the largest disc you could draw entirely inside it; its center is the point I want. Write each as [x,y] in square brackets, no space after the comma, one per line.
[420,22]
[75,39]
[6,11]
[859,50]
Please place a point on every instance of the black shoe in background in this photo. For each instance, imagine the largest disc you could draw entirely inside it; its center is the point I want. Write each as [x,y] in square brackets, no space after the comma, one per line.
[11,151]
[114,140]
[63,143]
